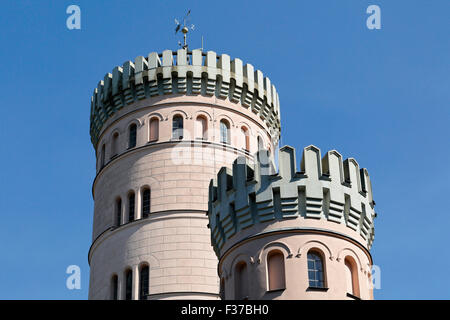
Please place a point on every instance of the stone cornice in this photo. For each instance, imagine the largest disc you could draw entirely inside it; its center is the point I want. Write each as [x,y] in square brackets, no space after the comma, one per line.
[324,188]
[181,72]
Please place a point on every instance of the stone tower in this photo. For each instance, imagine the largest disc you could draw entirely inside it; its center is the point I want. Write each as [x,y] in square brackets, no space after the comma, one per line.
[162,126]
[296,234]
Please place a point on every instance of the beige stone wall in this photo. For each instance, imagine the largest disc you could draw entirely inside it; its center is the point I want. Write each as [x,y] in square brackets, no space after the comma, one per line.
[174,244]
[174,240]
[294,246]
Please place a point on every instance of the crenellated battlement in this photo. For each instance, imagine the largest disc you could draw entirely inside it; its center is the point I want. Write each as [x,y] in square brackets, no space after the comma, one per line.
[327,188]
[185,72]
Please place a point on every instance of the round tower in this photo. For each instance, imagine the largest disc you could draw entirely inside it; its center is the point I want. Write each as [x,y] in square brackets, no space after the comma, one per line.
[295,234]
[162,126]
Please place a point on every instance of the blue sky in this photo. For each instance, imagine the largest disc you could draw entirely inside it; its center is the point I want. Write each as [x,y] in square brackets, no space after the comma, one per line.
[381,96]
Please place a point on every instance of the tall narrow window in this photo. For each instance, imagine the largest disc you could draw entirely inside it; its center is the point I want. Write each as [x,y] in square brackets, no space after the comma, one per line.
[128,285]
[348,277]
[102,156]
[131,207]
[315,270]
[224,131]
[245,139]
[132,136]
[241,285]
[177,127]
[143,283]
[154,129]
[118,211]
[114,287]
[201,128]
[275,269]
[146,202]
[351,274]
[114,146]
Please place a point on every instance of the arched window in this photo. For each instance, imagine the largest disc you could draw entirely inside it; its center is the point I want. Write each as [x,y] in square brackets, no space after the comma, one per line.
[128,284]
[177,127]
[351,276]
[224,131]
[275,270]
[154,129]
[315,270]
[201,128]
[131,206]
[102,156]
[145,202]
[245,139]
[241,284]
[143,282]
[114,287]
[114,147]
[132,136]
[118,211]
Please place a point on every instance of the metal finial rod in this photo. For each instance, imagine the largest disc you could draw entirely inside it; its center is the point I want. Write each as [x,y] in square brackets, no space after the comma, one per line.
[185,32]
[184,29]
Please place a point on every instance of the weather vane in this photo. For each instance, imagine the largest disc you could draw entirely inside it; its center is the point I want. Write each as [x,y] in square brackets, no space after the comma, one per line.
[184,28]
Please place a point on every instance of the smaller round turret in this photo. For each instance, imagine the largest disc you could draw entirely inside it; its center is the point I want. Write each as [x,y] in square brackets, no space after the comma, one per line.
[294,234]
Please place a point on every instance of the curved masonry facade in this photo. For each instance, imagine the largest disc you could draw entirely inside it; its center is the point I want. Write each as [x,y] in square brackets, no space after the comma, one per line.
[327,206]
[173,240]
